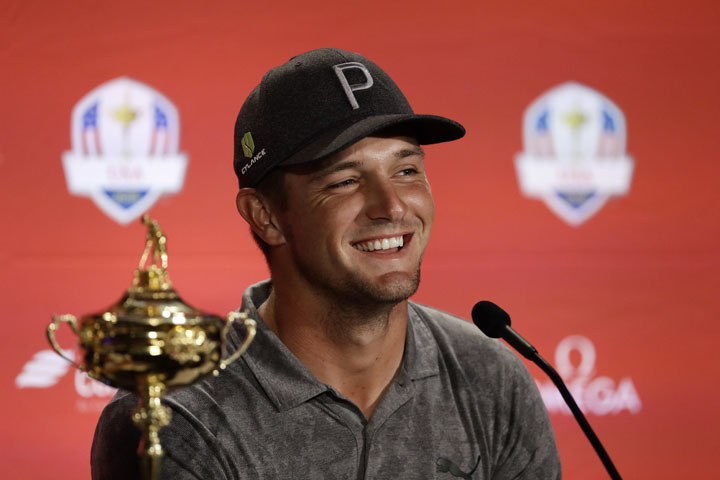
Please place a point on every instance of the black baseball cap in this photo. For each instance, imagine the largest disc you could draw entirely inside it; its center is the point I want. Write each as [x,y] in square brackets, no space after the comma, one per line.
[319,103]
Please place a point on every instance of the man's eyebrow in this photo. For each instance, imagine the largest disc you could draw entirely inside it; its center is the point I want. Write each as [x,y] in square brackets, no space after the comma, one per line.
[408,152]
[350,164]
[337,167]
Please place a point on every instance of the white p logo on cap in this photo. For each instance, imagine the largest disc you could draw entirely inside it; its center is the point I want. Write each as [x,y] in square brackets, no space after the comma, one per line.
[349,89]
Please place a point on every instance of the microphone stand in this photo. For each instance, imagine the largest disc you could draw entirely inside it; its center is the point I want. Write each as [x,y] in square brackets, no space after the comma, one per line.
[577,413]
[495,323]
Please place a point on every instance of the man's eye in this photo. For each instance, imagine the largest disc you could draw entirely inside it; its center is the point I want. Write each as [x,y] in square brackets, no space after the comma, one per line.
[344,183]
[408,171]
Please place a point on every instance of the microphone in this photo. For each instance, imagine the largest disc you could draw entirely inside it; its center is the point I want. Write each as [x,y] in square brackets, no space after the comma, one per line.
[495,323]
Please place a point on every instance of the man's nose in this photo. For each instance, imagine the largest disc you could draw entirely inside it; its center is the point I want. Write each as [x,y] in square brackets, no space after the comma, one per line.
[384,200]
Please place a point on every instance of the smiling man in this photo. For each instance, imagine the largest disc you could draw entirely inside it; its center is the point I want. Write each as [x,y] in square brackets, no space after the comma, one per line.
[346,378]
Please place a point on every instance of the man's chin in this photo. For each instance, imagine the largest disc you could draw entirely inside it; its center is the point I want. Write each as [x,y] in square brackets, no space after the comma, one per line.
[390,288]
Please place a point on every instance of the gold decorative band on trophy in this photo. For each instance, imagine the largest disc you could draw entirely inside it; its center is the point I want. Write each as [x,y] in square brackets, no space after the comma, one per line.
[151,342]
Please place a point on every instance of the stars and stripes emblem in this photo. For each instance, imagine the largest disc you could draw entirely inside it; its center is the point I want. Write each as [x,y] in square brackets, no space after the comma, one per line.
[90,135]
[160,140]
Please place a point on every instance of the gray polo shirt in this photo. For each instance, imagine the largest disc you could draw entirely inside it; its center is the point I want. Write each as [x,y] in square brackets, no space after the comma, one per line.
[461,406]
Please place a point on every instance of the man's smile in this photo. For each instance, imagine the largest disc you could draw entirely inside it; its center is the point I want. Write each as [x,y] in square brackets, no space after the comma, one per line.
[382,243]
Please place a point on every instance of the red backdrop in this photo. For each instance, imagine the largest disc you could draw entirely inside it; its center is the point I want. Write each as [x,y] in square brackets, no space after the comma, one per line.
[638,280]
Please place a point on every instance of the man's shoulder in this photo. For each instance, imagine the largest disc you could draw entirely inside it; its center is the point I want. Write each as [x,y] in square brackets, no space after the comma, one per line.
[461,345]
[442,320]
[122,403]
[451,331]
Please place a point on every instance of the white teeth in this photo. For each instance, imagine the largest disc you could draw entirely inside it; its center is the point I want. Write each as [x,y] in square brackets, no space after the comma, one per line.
[384,244]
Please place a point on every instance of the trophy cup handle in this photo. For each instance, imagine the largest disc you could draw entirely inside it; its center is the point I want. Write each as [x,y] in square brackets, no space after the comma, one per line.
[72,321]
[251,327]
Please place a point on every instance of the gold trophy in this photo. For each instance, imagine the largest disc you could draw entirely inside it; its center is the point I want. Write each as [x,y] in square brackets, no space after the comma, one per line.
[151,342]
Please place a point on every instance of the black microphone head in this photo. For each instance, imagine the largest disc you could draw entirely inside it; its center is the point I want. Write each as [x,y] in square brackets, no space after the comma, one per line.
[490,318]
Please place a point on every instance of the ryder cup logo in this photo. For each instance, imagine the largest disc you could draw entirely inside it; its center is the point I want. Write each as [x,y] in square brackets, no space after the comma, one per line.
[574,158]
[124,156]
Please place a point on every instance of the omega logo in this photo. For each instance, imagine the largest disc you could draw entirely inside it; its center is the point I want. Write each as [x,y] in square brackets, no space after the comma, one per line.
[599,395]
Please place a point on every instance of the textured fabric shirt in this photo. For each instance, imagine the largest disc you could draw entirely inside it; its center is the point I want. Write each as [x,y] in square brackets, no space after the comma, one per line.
[460,406]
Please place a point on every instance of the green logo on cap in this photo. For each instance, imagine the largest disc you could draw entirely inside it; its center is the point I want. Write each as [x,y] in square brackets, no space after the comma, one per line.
[248,145]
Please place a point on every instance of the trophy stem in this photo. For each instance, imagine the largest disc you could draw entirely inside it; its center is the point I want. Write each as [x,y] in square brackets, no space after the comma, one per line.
[150,416]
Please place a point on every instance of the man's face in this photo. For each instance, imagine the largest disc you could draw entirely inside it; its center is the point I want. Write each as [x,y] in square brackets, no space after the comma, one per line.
[358,223]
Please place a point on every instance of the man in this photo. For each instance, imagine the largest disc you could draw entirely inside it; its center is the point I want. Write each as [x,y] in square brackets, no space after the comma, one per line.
[346,378]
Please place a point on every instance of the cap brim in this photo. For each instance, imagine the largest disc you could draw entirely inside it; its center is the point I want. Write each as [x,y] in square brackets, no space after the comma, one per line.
[428,129]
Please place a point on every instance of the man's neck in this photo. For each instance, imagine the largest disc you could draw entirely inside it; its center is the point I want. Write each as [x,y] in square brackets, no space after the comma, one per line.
[355,350]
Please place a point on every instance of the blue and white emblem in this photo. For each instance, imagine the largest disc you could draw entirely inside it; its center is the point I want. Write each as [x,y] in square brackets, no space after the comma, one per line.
[574,158]
[125,138]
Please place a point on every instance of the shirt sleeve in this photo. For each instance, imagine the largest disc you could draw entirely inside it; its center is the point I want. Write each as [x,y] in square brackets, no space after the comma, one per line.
[528,448]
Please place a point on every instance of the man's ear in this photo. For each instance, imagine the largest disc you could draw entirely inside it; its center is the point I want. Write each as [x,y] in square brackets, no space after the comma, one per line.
[257,212]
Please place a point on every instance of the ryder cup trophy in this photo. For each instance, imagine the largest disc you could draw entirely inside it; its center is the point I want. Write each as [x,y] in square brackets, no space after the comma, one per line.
[151,342]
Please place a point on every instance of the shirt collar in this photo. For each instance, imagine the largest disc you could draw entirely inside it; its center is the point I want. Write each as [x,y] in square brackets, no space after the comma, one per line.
[285,380]
[421,350]
[288,383]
